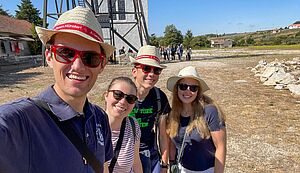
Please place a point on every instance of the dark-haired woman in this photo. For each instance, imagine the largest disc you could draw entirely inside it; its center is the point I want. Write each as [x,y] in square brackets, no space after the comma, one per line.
[120,98]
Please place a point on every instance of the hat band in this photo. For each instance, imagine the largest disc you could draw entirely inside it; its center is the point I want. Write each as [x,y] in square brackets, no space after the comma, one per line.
[79,27]
[148,56]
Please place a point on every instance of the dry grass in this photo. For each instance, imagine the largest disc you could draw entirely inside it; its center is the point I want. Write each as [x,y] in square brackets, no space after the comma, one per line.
[263,123]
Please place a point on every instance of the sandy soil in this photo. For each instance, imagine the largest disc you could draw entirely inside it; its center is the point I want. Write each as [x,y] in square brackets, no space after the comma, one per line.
[263,123]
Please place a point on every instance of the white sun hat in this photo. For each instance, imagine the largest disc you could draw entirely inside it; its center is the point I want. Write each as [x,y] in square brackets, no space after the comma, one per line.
[80,21]
[187,72]
[148,55]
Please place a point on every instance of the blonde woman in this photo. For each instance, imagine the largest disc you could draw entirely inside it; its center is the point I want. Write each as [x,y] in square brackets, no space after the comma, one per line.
[204,144]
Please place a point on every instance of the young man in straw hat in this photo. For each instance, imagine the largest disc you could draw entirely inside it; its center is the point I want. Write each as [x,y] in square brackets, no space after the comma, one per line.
[152,102]
[60,130]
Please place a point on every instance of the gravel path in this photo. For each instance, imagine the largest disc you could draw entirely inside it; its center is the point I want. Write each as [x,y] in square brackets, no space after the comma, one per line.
[263,124]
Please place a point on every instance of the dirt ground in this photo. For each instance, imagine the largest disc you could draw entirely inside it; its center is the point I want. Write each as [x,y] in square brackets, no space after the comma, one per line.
[263,124]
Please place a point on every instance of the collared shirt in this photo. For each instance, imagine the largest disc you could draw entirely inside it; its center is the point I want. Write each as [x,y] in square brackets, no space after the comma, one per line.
[31,142]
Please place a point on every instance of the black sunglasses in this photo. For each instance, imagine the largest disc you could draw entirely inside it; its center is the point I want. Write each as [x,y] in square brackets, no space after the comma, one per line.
[147,69]
[118,95]
[66,55]
[184,87]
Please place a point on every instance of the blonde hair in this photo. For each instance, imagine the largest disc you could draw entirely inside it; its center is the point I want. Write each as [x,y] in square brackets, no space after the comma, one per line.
[197,119]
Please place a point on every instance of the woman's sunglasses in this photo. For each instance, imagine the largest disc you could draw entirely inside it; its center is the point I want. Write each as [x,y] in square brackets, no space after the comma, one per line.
[66,55]
[119,95]
[184,87]
[147,69]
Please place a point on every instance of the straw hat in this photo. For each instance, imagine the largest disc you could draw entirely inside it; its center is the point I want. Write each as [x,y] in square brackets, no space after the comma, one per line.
[148,55]
[187,72]
[80,21]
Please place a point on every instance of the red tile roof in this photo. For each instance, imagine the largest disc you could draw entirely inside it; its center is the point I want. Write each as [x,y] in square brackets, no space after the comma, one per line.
[14,26]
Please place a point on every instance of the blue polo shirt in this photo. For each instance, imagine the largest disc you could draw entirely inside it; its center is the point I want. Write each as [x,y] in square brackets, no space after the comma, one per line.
[31,142]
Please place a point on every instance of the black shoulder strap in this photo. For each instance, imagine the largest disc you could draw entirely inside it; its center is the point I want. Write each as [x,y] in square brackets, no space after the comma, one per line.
[118,146]
[156,142]
[133,127]
[66,128]
[158,99]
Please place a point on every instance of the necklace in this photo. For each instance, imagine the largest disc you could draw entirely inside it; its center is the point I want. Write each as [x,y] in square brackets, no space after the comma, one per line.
[186,113]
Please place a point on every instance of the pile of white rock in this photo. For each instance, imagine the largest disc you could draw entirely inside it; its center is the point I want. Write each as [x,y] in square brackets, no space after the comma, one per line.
[281,74]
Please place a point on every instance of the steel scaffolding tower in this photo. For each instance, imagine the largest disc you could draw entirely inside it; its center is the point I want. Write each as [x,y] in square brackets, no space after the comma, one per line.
[117,20]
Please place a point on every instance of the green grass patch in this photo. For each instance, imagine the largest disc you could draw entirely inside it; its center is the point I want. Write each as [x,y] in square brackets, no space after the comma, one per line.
[294,46]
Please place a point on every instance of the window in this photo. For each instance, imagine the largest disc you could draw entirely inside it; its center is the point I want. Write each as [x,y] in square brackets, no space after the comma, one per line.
[3,48]
[121,7]
[113,8]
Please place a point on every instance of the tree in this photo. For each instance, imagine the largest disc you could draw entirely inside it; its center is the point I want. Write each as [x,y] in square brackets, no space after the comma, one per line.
[4,12]
[172,35]
[29,13]
[36,45]
[154,41]
[250,41]
[188,39]
[200,41]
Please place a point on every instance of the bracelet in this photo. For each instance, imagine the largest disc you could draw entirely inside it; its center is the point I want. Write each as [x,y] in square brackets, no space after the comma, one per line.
[164,165]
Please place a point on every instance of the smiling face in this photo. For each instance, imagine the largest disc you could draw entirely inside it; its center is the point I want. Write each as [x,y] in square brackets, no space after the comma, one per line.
[144,80]
[119,108]
[73,80]
[187,96]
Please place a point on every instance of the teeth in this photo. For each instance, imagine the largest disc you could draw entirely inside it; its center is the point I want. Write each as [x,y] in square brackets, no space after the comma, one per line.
[72,76]
[120,108]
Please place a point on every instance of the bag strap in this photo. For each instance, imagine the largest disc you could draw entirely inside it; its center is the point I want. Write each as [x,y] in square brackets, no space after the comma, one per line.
[181,148]
[118,146]
[158,100]
[133,127]
[156,123]
[67,128]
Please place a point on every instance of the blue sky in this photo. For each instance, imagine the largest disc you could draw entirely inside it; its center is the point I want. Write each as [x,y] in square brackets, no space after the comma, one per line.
[208,16]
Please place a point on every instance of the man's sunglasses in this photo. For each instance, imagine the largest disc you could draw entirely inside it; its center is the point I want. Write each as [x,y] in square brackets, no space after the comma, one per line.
[119,95]
[184,87]
[147,69]
[66,55]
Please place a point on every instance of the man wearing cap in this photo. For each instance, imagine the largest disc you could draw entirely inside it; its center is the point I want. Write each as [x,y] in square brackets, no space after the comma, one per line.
[152,103]
[33,131]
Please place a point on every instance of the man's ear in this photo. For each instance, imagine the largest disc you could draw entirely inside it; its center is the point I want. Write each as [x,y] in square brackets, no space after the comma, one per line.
[48,56]
[134,72]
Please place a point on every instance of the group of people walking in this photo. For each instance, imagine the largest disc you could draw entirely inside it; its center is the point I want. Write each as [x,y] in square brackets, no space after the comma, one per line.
[60,130]
[170,53]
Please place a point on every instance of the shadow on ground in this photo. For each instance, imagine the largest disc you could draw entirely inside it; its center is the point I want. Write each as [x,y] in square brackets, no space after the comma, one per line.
[12,78]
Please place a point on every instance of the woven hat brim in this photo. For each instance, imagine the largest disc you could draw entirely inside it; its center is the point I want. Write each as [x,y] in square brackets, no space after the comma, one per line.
[46,34]
[146,61]
[174,79]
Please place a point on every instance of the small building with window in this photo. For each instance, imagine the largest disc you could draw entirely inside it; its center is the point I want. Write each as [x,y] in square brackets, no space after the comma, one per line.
[14,37]
[221,43]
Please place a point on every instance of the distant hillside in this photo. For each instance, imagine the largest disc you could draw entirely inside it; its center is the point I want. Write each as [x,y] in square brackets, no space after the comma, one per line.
[267,37]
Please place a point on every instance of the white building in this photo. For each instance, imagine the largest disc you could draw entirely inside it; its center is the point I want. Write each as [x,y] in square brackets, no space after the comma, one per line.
[294,26]
[221,43]
[125,24]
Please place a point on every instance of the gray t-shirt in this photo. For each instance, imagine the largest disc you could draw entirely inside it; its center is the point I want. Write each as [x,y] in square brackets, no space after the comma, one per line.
[199,153]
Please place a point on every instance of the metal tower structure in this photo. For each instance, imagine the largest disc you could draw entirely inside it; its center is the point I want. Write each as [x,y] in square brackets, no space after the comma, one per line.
[123,21]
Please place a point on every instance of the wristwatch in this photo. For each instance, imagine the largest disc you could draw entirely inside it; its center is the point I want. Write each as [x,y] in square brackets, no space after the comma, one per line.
[164,165]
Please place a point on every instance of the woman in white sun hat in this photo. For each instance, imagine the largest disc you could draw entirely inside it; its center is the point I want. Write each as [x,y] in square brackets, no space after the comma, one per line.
[195,125]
